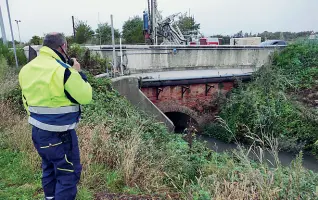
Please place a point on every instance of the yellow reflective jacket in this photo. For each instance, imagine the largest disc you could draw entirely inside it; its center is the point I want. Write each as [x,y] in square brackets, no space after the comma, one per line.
[52,92]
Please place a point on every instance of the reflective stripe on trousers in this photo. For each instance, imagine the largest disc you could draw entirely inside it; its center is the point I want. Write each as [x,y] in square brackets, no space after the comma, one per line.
[53,128]
[59,110]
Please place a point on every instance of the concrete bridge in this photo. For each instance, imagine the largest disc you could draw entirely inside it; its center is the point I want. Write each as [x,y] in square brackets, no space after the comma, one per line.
[179,84]
[143,58]
[190,99]
[178,98]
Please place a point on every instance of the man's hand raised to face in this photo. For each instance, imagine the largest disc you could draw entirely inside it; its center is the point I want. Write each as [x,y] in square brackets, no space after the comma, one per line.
[76,65]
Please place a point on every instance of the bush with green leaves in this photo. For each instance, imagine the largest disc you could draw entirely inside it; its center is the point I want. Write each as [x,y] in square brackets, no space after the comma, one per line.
[3,67]
[93,62]
[8,54]
[299,63]
[110,108]
[271,103]
[123,150]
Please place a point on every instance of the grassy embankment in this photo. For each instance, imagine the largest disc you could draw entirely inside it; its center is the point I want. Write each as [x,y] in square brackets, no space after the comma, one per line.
[281,101]
[123,151]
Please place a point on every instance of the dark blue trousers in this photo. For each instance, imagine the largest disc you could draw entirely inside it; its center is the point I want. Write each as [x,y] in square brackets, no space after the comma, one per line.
[60,162]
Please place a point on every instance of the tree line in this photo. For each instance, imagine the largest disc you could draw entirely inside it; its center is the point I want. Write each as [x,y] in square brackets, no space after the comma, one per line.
[266,35]
[132,32]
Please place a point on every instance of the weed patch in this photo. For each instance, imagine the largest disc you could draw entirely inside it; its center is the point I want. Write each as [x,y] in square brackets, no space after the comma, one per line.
[17,180]
[279,101]
[124,151]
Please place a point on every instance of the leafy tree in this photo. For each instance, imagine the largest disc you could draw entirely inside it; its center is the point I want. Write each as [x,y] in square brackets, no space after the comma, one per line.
[83,33]
[36,40]
[10,44]
[288,36]
[132,30]
[187,24]
[104,34]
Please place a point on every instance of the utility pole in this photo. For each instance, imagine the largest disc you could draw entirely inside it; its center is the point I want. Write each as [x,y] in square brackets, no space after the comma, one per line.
[100,31]
[121,57]
[19,21]
[73,27]
[3,31]
[153,21]
[13,44]
[113,40]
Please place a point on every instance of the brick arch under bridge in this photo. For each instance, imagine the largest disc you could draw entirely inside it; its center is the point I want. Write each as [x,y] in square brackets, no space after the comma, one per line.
[172,107]
[195,100]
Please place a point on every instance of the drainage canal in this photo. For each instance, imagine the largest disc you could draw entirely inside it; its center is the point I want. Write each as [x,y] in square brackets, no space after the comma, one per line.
[183,121]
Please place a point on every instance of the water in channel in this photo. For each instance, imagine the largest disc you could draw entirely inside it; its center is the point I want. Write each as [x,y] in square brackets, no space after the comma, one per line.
[309,161]
[181,122]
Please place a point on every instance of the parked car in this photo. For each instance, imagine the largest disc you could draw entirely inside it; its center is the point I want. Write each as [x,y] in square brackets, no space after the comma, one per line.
[273,42]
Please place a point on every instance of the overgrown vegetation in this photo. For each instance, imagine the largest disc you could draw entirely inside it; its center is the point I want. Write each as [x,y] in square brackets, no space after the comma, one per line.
[8,54]
[125,151]
[280,101]
[92,62]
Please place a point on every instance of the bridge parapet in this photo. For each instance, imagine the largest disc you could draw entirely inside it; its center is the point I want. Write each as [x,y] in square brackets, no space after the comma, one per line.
[141,59]
[144,58]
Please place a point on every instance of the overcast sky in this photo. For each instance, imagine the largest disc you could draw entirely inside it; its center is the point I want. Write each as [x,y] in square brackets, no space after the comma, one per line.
[216,16]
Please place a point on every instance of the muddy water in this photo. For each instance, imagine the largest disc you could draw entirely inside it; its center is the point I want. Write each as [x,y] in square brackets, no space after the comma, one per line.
[309,161]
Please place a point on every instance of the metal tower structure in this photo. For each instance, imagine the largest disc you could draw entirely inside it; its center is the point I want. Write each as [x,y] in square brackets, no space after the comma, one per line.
[166,28]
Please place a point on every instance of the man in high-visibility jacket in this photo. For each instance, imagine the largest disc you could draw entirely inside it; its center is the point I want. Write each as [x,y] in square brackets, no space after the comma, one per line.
[52,92]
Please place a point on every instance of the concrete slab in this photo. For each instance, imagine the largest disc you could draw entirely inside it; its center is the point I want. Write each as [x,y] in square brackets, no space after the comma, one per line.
[194,74]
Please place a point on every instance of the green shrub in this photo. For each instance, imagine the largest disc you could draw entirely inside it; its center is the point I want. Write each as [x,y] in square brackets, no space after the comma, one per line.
[78,52]
[299,63]
[217,131]
[4,50]
[22,59]
[270,103]
[3,67]
[131,153]
[91,61]
[8,54]
[158,151]
[124,150]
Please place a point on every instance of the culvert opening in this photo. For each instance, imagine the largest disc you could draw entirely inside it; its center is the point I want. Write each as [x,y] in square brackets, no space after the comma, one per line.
[181,121]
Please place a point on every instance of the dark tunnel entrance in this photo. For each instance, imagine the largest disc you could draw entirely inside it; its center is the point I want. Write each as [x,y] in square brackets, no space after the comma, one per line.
[181,121]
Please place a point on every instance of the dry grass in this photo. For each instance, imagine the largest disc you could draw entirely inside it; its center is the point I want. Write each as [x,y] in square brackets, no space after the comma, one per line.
[115,158]
[130,158]
[17,135]
[250,180]
[127,154]
[8,79]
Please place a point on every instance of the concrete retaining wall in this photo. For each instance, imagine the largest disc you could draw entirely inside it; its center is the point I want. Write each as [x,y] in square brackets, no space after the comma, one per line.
[143,58]
[168,58]
[128,87]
